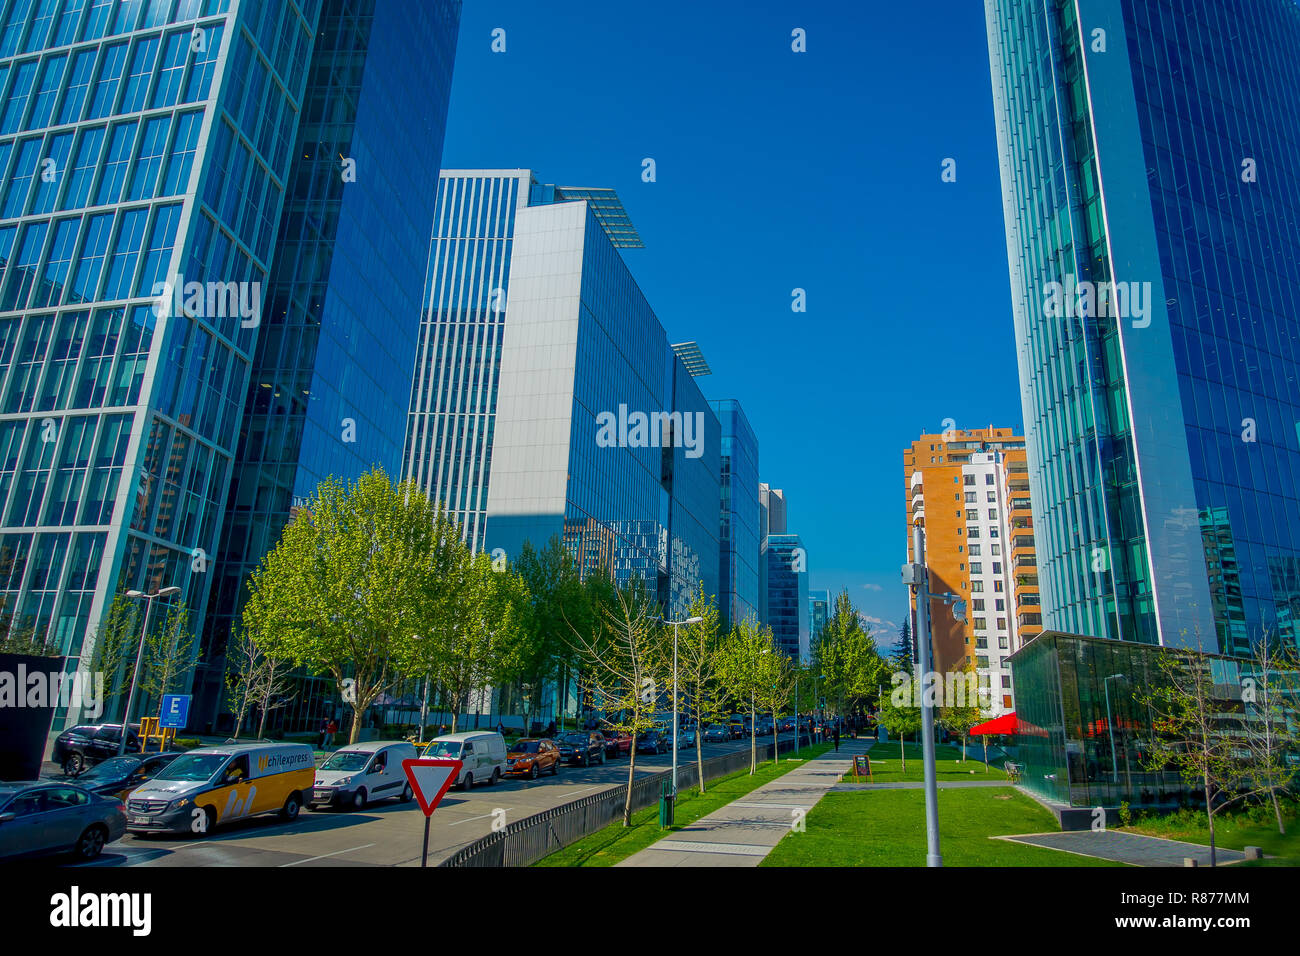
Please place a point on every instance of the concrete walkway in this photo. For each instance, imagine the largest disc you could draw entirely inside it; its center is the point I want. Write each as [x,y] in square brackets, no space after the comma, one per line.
[743,832]
[920,784]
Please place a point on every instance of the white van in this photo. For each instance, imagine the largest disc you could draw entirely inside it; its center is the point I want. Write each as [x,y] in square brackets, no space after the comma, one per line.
[481,752]
[360,773]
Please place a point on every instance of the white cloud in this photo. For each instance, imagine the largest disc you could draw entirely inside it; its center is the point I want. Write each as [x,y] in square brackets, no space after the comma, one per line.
[873,587]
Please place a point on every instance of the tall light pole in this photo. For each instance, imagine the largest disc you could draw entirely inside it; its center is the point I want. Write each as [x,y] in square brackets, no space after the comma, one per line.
[689,620]
[1110,728]
[917,576]
[139,656]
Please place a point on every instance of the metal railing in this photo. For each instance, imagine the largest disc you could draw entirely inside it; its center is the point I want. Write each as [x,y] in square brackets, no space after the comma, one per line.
[526,841]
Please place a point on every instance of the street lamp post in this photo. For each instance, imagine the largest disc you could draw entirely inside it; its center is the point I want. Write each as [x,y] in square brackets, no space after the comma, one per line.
[139,656]
[689,620]
[1110,728]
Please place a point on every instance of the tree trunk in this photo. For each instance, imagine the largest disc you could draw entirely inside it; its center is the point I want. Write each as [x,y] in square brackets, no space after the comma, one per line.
[753,739]
[631,774]
[986,753]
[902,750]
[776,754]
[699,747]
[1277,810]
[1209,813]
[261,724]
[963,748]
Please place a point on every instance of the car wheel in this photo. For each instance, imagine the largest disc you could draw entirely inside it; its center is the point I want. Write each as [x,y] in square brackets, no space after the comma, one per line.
[91,843]
[73,764]
[468,783]
[359,799]
[555,768]
[496,777]
[602,758]
[289,812]
[407,794]
[534,773]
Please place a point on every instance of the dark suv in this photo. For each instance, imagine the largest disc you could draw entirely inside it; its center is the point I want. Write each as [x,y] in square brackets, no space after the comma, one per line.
[87,744]
[582,747]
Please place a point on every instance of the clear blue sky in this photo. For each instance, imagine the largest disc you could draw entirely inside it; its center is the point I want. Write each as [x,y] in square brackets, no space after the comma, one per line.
[777,170]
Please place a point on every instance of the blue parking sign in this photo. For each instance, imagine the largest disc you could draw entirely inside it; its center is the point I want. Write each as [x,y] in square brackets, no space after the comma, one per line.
[175,710]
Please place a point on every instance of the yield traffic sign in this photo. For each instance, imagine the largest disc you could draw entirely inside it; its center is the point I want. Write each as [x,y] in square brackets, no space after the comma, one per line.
[430,779]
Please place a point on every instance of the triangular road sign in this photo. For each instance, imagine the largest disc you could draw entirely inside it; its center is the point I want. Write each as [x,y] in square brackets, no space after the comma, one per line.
[430,779]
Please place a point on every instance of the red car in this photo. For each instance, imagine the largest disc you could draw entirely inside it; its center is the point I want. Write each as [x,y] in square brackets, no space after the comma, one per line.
[618,743]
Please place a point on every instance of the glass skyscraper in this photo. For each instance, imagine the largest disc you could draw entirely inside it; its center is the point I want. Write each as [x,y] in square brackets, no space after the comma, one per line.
[146,148]
[534,331]
[738,537]
[1148,169]
[787,595]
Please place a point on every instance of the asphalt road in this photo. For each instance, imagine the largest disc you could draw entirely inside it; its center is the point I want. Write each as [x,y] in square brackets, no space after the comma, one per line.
[388,833]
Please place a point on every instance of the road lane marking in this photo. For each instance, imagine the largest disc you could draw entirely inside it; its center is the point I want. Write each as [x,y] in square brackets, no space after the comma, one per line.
[481,816]
[583,790]
[324,855]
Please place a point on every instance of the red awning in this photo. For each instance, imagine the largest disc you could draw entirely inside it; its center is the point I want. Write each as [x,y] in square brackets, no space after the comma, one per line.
[1006,724]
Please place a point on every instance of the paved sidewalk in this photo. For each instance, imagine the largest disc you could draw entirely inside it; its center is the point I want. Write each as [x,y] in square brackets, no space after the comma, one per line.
[920,784]
[743,832]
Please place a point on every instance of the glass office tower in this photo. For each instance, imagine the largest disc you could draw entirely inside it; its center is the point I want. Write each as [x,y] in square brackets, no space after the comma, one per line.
[1148,170]
[738,535]
[146,148]
[533,329]
[138,142]
[787,595]
[327,395]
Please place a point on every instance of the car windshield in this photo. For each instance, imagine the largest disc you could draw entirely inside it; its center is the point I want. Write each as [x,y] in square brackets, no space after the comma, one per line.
[443,748]
[193,767]
[524,747]
[346,760]
[111,769]
[575,738]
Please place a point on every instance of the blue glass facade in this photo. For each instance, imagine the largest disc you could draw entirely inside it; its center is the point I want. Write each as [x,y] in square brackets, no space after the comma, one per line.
[787,595]
[327,393]
[1147,148]
[739,529]
[138,142]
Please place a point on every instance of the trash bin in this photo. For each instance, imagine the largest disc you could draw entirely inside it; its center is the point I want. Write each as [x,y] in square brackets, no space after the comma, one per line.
[666,805]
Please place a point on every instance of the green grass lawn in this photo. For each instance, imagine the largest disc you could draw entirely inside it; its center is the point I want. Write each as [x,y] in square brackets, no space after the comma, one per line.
[616,843]
[1234,831]
[887,828]
[887,766]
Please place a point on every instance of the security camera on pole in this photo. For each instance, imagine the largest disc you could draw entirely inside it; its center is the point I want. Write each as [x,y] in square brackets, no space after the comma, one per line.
[917,577]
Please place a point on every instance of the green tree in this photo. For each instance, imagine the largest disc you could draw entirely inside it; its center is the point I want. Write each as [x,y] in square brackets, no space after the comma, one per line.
[847,657]
[740,671]
[1270,690]
[254,678]
[697,669]
[624,651]
[357,577]
[168,656]
[556,593]
[776,683]
[116,640]
[966,709]
[480,631]
[899,713]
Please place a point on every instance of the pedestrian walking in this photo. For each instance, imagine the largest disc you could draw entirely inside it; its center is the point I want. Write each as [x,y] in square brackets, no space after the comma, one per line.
[324,729]
[330,731]
[837,738]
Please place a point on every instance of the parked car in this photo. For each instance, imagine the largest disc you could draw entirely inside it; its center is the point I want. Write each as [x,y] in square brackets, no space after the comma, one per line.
[88,744]
[43,817]
[360,773]
[685,738]
[529,756]
[652,742]
[582,747]
[736,727]
[618,743]
[787,724]
[118,776]
[482,754]
[716,733]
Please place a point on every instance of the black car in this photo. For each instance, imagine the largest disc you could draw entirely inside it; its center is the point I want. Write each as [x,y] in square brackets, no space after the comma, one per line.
[118,776]
[89,744]
[582,747]
[652,742]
